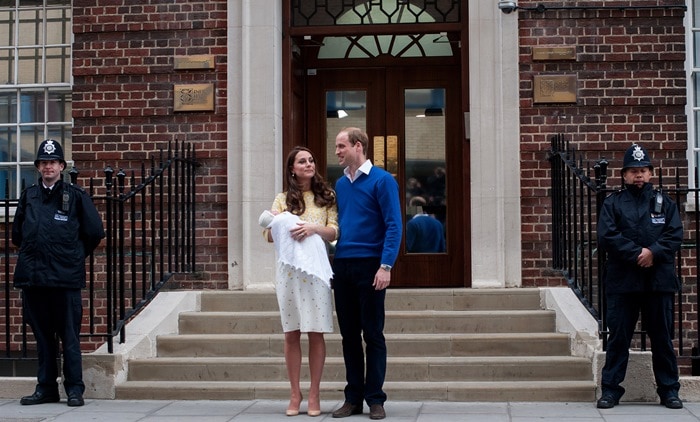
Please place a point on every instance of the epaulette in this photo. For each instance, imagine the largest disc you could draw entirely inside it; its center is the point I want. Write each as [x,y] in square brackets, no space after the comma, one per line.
[76,186]
[615,192]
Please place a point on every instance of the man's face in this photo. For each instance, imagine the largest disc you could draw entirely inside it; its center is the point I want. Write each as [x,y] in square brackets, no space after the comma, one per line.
[637,176]
[50,171]
[347,153]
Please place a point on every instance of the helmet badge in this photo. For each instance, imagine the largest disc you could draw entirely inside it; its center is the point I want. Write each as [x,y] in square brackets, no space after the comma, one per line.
[638,153]
[50,148]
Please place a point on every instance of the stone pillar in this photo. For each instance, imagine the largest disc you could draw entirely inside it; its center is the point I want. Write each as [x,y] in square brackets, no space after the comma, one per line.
[494,146]
[254,136]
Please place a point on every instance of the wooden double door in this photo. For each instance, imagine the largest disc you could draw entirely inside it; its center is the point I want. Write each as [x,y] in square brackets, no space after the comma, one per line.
[416,128]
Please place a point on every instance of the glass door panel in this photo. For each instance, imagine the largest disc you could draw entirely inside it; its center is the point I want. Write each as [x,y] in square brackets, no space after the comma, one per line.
[425,170]
[343,109]
[412,118]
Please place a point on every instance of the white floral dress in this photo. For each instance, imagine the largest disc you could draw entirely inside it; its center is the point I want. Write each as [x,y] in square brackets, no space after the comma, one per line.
[305,301]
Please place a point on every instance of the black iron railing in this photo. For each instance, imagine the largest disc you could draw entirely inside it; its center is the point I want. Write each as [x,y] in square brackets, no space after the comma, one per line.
[150,226]
[150,234]
[577,195]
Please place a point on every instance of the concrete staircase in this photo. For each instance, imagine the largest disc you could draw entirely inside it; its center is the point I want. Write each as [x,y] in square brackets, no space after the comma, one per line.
[443,344]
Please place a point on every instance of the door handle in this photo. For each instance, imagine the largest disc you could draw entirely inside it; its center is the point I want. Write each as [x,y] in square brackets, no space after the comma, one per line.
[392,154]
[379,152]
[386,153]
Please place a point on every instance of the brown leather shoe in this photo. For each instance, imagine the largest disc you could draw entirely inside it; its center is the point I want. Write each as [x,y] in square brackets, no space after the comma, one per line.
[348,409]
[376,411]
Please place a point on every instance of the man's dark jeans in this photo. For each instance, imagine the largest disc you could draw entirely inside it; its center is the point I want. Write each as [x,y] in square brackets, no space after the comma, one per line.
[360,310]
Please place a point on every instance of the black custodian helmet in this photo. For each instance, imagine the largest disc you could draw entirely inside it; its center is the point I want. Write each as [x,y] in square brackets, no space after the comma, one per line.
[49,150]
[636,156]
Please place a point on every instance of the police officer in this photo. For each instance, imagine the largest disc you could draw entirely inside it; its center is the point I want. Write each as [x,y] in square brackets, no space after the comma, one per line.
[56,227]
[640,229]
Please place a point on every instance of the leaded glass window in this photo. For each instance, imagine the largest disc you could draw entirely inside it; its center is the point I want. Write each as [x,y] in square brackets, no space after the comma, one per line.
[35,85]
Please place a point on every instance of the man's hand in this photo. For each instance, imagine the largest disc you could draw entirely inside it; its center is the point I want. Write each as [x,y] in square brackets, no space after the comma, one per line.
[645,258]
[381,279]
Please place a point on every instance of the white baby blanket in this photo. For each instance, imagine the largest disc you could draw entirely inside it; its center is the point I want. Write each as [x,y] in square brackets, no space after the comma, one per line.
[308,255]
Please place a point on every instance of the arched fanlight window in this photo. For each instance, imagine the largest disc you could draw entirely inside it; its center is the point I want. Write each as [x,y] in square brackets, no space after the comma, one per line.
[373,12]
[310,13]
[369,46]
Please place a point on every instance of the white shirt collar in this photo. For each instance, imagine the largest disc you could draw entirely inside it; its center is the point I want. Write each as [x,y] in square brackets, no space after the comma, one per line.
[364,168]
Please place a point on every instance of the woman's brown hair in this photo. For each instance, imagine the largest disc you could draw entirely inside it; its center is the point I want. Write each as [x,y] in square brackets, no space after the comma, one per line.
[324,196]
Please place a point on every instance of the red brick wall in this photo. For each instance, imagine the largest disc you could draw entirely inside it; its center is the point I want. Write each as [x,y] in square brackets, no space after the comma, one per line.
[123,111]
[631,88]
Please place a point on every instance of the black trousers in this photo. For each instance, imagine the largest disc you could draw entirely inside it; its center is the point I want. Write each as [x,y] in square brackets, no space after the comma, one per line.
[54,314]
[360,311]
[623,312]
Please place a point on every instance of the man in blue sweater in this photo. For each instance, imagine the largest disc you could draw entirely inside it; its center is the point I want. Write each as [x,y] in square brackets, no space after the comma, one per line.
[369,216]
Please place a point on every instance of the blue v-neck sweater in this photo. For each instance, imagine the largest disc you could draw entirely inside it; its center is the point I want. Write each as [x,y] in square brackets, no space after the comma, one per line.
[369,215]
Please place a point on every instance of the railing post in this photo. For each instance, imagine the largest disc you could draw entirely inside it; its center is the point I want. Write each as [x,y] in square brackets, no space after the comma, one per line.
[554,174]
[601,179]
[91,271]
[121,176]
[73,173]
[108,250]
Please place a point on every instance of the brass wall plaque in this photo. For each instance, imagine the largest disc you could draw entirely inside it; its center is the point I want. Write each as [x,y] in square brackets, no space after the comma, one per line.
[194,97]
[555,89]
[553,53]
[193,62]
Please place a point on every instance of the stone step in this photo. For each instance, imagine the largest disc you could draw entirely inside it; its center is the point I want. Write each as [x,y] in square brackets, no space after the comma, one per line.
[435,369]
[443,344]
[272,345]
[406,322]
[501,391]
[396,299]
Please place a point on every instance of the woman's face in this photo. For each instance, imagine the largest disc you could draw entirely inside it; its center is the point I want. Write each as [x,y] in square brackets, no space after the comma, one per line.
[304,167]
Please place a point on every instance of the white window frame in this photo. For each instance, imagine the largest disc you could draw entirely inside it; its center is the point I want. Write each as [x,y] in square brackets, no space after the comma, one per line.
[692,60]
[17,166]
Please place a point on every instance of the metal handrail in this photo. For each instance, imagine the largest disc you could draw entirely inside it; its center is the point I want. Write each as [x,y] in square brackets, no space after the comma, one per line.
[150,236]
[577,196]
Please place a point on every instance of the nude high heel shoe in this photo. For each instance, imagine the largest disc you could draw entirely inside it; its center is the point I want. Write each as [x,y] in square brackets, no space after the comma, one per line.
[316,411]
[293,410]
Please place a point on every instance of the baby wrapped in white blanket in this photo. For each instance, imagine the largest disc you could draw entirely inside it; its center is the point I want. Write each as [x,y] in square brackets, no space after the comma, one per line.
[308,255]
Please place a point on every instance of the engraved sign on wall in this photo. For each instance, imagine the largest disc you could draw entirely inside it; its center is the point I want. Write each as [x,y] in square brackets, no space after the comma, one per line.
[554,89]
[194,97]
[553,53]
[193,62]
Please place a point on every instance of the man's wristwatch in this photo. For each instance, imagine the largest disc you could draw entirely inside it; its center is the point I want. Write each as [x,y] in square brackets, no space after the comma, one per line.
[385,267]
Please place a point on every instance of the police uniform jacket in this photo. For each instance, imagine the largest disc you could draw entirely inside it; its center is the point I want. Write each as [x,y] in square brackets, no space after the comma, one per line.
[55,232]
[628,222]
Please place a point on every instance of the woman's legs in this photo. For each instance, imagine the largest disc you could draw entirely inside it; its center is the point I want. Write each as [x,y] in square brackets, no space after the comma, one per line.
[292,357]
[317,358]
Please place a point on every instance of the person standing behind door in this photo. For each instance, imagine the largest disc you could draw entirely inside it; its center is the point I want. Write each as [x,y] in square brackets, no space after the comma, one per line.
[424,233]
[56,227]
[369,216]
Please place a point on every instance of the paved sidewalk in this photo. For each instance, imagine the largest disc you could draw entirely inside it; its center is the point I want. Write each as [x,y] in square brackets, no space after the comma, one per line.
[270,410]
